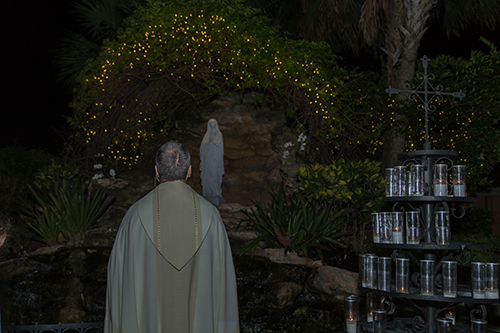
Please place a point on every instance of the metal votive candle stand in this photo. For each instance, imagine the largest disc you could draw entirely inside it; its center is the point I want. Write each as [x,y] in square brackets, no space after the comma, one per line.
[430,182]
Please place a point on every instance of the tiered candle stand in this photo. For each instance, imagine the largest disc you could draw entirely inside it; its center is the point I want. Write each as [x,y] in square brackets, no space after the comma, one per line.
[460,252]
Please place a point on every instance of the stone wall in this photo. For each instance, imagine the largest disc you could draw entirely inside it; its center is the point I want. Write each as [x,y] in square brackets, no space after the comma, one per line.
[252,141]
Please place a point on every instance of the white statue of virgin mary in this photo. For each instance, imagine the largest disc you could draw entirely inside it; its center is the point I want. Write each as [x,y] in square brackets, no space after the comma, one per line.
[212,163]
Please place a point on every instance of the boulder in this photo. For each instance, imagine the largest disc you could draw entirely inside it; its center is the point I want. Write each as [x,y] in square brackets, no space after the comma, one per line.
[334,281]
[286,293]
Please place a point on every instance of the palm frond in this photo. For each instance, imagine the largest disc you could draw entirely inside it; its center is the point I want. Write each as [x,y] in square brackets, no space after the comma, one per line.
[374,14]
[334,21]
[99,18]
[457,15]
[72,57]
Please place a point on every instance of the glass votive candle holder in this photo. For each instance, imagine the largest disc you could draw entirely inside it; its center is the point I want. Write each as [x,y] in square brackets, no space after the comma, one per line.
[491,290]
[449,274]
[403,275]
[389,182]
[458,174]
[417,180]
[441,180]
[384,273]
[409,183]
[400,181]
[361,269]
[386,228]
[478,326]
[371,304]
[478,271]
[376,226]
[379,321]
[427,277]
[371,271]
[442,227]
[397,227]
[351,309]
[443,325]
[413,229]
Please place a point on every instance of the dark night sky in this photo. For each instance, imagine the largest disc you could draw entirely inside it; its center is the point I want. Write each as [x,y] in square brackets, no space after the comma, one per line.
[32,103]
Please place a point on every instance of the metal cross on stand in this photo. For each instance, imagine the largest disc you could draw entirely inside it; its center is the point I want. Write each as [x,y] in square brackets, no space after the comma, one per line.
[426,93]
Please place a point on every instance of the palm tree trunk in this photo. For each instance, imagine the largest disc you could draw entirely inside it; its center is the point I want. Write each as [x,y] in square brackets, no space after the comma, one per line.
[406,26]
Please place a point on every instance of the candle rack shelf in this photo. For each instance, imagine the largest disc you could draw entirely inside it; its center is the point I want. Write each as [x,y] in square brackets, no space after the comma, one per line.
[464,295]
[431,246]
[427,205]
[431,199]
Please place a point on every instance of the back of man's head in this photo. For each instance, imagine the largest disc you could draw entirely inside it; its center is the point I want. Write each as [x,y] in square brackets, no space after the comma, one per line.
[173,161]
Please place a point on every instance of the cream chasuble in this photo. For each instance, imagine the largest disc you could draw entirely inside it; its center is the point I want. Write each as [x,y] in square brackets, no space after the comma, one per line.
[171,268]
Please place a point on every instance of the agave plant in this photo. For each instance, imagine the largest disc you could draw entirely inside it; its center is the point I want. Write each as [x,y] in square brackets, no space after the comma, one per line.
[296,224]
[63,211]
[83,205]
[43,218]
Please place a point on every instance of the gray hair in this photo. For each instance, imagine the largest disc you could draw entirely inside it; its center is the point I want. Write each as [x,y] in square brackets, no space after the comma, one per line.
[172,161]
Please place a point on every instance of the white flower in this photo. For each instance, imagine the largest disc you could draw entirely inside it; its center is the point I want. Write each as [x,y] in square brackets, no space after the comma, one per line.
[97,176]
[97,166]
[285,154]
[112,173]
[302,137]
[288,144]
[303,146]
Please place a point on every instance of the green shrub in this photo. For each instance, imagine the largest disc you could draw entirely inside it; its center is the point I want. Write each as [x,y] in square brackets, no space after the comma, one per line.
[475,227]
[355,186]
[172,57]
[477,220]
[54,175]
[489,255]
[297,224]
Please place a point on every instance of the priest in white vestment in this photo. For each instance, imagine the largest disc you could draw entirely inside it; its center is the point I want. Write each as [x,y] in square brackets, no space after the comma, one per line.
[171,269]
